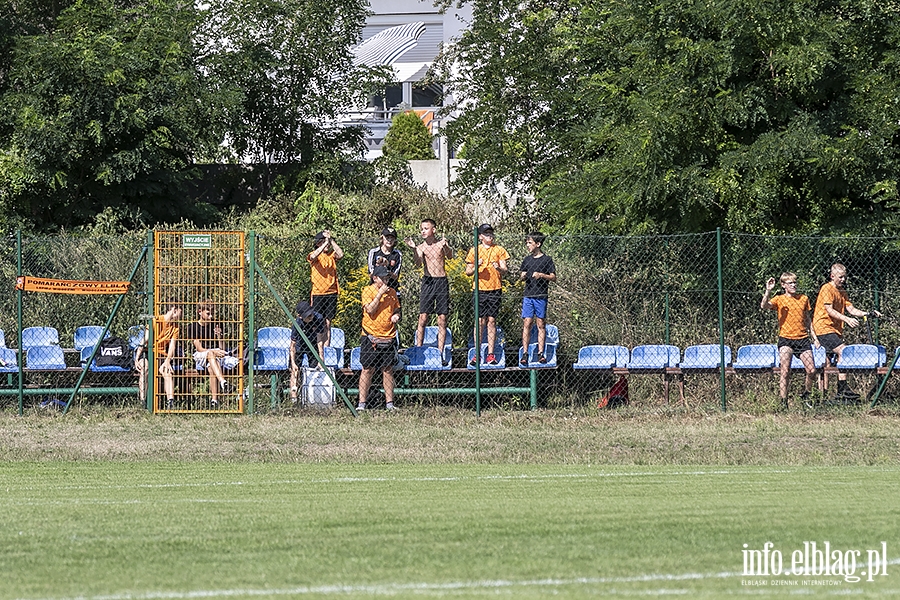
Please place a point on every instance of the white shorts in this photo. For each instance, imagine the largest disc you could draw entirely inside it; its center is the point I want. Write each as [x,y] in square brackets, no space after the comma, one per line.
[226,362]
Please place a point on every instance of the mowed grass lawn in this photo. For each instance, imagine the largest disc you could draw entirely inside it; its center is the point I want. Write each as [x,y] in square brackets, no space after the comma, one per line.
[208,529]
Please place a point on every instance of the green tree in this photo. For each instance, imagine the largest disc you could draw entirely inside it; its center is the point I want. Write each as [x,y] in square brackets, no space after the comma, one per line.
[104,110]
[286,73]
[408,138]
[667,116]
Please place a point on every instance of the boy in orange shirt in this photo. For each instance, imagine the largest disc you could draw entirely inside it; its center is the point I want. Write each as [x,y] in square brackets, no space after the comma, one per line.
[378,344]
[829,319]
[793,332]
[323,260]
[165,338]
[491,268]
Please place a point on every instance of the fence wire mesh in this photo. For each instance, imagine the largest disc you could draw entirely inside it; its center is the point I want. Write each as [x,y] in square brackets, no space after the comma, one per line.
[637,308]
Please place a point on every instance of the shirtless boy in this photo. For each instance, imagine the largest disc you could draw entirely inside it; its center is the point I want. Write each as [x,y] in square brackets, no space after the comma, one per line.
[434,297]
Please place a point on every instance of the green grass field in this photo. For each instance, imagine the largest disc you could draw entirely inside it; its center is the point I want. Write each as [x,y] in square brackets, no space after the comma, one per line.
[168,530]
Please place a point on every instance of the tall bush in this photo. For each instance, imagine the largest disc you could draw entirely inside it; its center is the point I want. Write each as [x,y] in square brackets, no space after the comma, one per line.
[408,138]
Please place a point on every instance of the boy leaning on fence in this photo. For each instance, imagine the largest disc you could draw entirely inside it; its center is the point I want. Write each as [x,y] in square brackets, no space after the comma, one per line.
[794,332]
[537,271]
[323,262]
[434,296]
[165,336]
[829,320]
[492,266]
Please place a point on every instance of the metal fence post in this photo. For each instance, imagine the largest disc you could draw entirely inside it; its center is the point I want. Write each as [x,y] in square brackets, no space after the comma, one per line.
[251,319]
[721,318]
[19,296]
[477,332]
[151,310]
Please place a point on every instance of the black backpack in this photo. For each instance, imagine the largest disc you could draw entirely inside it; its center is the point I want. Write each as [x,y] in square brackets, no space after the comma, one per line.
[114,352]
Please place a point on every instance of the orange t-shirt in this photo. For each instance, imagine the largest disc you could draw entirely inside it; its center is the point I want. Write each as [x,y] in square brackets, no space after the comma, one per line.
[792,316]
[380,325]
[488,276]
[838,299]
[163,333]
[324,274]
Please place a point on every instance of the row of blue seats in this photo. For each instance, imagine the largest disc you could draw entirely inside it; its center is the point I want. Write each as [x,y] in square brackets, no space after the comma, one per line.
[273,346]
[43,352]
[708,356]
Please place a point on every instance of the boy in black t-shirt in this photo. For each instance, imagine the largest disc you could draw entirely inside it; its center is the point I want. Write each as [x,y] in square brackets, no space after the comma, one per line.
[209,349]
[538,271]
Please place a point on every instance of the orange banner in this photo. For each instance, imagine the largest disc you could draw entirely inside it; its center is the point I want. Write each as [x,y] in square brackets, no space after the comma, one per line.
[66,286]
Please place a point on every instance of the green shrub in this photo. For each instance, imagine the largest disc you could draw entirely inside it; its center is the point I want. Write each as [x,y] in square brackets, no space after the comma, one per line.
[408,138]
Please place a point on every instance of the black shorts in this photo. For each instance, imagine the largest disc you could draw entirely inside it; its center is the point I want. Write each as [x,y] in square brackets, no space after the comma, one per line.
[797,347]
[434,298]
[489,303]
[325,305]
[830,341]
[376,356]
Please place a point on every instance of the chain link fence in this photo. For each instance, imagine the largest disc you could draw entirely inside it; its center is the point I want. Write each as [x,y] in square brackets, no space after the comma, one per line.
[627,292]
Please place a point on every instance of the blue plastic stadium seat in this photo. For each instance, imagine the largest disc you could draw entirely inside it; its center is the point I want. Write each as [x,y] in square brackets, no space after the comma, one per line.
[8,361]
[424,358]
[334,357]
[654,357]
[2,339]
[756,356]
[355,365]
[39,336]
[818,359]
[862,356]
[549,355]
[601,357]
[272,359]
[45,358]
[334,352]
[136,335]
[705,356]
[88,336]
[273,346]
[430,339]
[499,354]
[896,351]
[551,341]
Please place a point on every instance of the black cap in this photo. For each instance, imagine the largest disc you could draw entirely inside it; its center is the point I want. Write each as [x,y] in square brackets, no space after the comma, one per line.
[389,232]
[303,309]
[381,272]
[320,237]
[485,228]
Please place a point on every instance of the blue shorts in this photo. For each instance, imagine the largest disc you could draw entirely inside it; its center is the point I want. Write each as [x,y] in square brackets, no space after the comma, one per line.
[534,307]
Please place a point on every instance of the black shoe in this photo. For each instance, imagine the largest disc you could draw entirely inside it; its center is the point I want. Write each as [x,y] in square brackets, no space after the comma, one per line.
[845,394]
[807,400]
[473,362]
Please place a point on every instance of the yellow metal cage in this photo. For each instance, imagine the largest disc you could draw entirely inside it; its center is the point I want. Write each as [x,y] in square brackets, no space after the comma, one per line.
[196,270]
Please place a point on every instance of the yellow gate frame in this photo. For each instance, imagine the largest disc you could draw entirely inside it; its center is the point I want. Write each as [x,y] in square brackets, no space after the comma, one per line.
[191,267]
